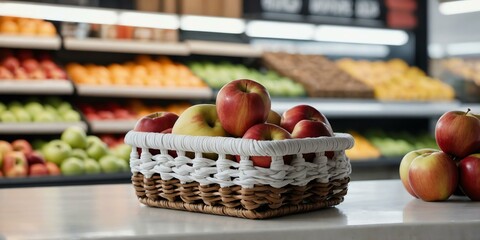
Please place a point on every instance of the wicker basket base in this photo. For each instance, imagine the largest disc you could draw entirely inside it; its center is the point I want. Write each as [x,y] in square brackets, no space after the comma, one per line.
[240,212]
[260,202]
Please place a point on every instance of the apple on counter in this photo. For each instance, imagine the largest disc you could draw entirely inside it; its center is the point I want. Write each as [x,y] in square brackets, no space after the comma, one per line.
[433,176]
[405,165]
[458,133]
[470,176]
[241,104]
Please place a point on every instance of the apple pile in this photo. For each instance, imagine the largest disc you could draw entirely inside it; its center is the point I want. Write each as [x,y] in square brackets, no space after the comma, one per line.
[242,110]
[19,159]
[25,64]
[434,175]
[50,109]
[74,153]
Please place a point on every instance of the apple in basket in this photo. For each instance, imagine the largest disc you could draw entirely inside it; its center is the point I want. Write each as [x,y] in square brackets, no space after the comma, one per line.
[266,131]
[274,118]
[200,120]
[312,129]
[160,122]
[156,122]
[292,116]
[241,104]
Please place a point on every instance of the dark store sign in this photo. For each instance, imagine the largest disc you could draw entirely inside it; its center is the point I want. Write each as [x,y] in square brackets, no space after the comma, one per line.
[370,9]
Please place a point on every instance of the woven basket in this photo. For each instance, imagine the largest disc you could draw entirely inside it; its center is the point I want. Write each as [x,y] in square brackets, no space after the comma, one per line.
[225,187]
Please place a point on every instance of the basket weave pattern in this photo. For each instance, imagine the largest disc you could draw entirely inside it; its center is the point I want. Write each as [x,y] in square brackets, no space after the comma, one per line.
[225,187]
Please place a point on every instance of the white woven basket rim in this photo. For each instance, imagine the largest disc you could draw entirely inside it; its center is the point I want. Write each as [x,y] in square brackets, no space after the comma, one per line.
[239,146]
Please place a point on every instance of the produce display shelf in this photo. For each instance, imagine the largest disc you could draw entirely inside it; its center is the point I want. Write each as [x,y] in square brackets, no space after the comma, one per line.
[223,49]
[352,108]
[144,92]
[47,86]
[126,46]
[87,179]
[38,127]
[112,126]
[30,42]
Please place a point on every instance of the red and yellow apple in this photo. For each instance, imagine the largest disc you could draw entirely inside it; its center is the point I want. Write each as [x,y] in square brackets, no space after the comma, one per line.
[405,165]
[302,112]
[274,118]
[22,145]
[433,176]
[156,122]
[15,164]
[38,169]
[458,133]
[241,104]
[53,169]
[310,129]
[199,120]
[268,132]
[470,176]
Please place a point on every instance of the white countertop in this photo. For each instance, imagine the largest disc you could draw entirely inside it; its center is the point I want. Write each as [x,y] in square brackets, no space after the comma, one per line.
[371,210]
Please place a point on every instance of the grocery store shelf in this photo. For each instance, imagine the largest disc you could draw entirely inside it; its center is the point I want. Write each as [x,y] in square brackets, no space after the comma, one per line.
[87,179]
[38,127]
[30,42]
[47,86]
[223,49]
[144,92]
[112,126]
[126,46]
[369,108]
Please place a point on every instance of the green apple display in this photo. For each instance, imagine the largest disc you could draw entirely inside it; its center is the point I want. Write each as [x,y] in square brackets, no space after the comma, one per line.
[75,137]
[56,151]
[72,166]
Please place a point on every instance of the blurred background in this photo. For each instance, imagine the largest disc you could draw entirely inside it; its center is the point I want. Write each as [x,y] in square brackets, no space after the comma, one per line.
[381,70]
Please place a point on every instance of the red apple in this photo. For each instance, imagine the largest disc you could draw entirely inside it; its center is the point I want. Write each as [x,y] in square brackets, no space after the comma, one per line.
[156,122]
[5,73]
[20,73]
[48,64]
[55,73]
[405,165]
[470,176]
[53,169]
[30,65]
[23,146]
[433,176]
[38,169]
[241,104]
[122,114]
[274,118]
[104,114]
[301,112]
[34,158]
[458,133]
[266,131]
[309,129]
[37,74]
[15,164]
[11,63]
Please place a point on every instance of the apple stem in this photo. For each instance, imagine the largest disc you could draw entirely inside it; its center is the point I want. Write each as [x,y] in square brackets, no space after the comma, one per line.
[468,110]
